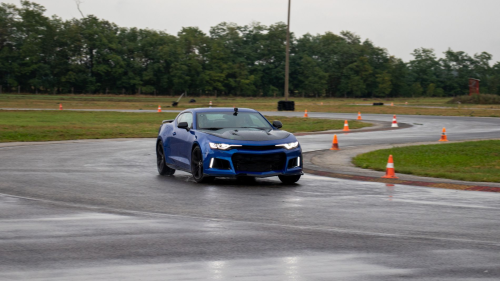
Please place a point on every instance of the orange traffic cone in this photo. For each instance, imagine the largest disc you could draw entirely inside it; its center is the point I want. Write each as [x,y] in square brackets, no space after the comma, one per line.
[394,122]
[210,104]
[392,104]
[389,172]
[60,106]
[359,115]
[321,103]
[159,108]
[305,114]
[335,143]
[443,135]
[406,103]
[346,126]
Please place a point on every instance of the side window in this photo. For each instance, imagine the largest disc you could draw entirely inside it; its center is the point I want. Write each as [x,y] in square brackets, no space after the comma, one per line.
[186,117]
[179,119]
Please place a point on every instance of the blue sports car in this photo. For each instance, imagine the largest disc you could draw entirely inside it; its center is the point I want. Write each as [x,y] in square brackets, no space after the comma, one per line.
[227,142]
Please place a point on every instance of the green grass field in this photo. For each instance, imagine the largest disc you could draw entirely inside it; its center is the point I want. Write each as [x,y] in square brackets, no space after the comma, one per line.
[469,161]
[69,125]
[415,106]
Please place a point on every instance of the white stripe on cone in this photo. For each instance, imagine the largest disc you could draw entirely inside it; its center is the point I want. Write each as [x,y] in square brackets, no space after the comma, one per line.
[394,123]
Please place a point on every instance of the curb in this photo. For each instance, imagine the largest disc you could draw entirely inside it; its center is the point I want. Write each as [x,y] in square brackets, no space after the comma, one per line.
[349,172]
[404,182]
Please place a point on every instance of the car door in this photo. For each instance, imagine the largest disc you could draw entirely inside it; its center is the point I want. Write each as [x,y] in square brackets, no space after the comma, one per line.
[181,142]
[174,141]
[186,139]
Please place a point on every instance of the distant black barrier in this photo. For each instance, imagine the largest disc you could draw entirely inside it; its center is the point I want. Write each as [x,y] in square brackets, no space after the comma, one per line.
[378,103]
[174,104]
[286,105]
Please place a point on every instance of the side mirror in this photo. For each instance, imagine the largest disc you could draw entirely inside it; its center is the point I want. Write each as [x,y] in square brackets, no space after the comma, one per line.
[277,124]
[183,125]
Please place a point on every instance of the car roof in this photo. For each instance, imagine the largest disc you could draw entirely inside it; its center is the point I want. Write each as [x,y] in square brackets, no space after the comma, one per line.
[219,109]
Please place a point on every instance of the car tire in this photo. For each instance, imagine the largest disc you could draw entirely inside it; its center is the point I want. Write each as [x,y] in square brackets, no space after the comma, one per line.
[197,167]
[289,179]
[161,163]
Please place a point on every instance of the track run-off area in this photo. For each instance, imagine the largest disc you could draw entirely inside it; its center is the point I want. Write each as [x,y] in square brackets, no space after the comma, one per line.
[98,210]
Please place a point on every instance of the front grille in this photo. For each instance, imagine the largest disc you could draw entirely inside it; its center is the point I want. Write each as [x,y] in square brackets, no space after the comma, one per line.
[258,148]
[258,163]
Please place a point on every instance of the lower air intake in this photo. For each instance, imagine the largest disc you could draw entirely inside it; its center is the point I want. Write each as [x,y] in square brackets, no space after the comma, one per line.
[259,163]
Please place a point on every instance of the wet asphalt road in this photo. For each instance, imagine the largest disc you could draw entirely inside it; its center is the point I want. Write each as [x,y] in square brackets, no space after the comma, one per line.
[97,210]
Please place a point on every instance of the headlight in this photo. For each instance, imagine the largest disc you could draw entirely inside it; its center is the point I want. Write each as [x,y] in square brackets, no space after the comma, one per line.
[222,146]
[289,145]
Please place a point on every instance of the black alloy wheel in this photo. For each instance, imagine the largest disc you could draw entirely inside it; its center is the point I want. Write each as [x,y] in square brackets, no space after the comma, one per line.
[289,179]
[161,164]
[197,166]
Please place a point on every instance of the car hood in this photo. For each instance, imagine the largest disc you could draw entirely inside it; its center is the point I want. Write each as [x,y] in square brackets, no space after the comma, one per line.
[248,134]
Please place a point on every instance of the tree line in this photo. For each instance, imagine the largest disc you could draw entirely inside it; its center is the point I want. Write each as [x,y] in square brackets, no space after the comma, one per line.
[41,54]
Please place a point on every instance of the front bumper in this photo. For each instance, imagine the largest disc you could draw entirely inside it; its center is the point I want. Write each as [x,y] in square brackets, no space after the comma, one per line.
[274,162]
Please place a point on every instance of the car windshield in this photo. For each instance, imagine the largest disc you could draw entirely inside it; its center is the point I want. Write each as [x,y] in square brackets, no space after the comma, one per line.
[223,120]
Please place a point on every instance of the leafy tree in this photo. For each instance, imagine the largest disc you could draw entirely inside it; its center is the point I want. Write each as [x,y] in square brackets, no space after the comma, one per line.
[416,90]
[458,67]
[384,85]
[92,55]
[424,67]
[482,70]
[439,92]
[495,79]
[399,73]
[358,74]
[313,79]
[10,42]
[431,89]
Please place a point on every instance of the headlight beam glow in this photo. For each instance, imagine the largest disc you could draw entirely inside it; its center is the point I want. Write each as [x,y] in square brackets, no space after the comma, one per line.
[289,145]
[222,146]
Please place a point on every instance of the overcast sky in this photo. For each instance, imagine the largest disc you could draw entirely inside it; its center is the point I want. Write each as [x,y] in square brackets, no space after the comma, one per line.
[400,26]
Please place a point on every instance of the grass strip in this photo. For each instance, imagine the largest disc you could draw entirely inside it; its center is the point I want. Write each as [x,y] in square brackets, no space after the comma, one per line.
[415,106]
[469,161]
[69,125]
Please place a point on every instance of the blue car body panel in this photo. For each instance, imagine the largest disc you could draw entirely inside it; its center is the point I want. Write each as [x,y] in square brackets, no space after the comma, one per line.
[178,144]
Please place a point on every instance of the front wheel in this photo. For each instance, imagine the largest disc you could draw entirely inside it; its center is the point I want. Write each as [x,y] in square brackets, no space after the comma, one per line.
[197,167]
[161,163]
[289,179]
